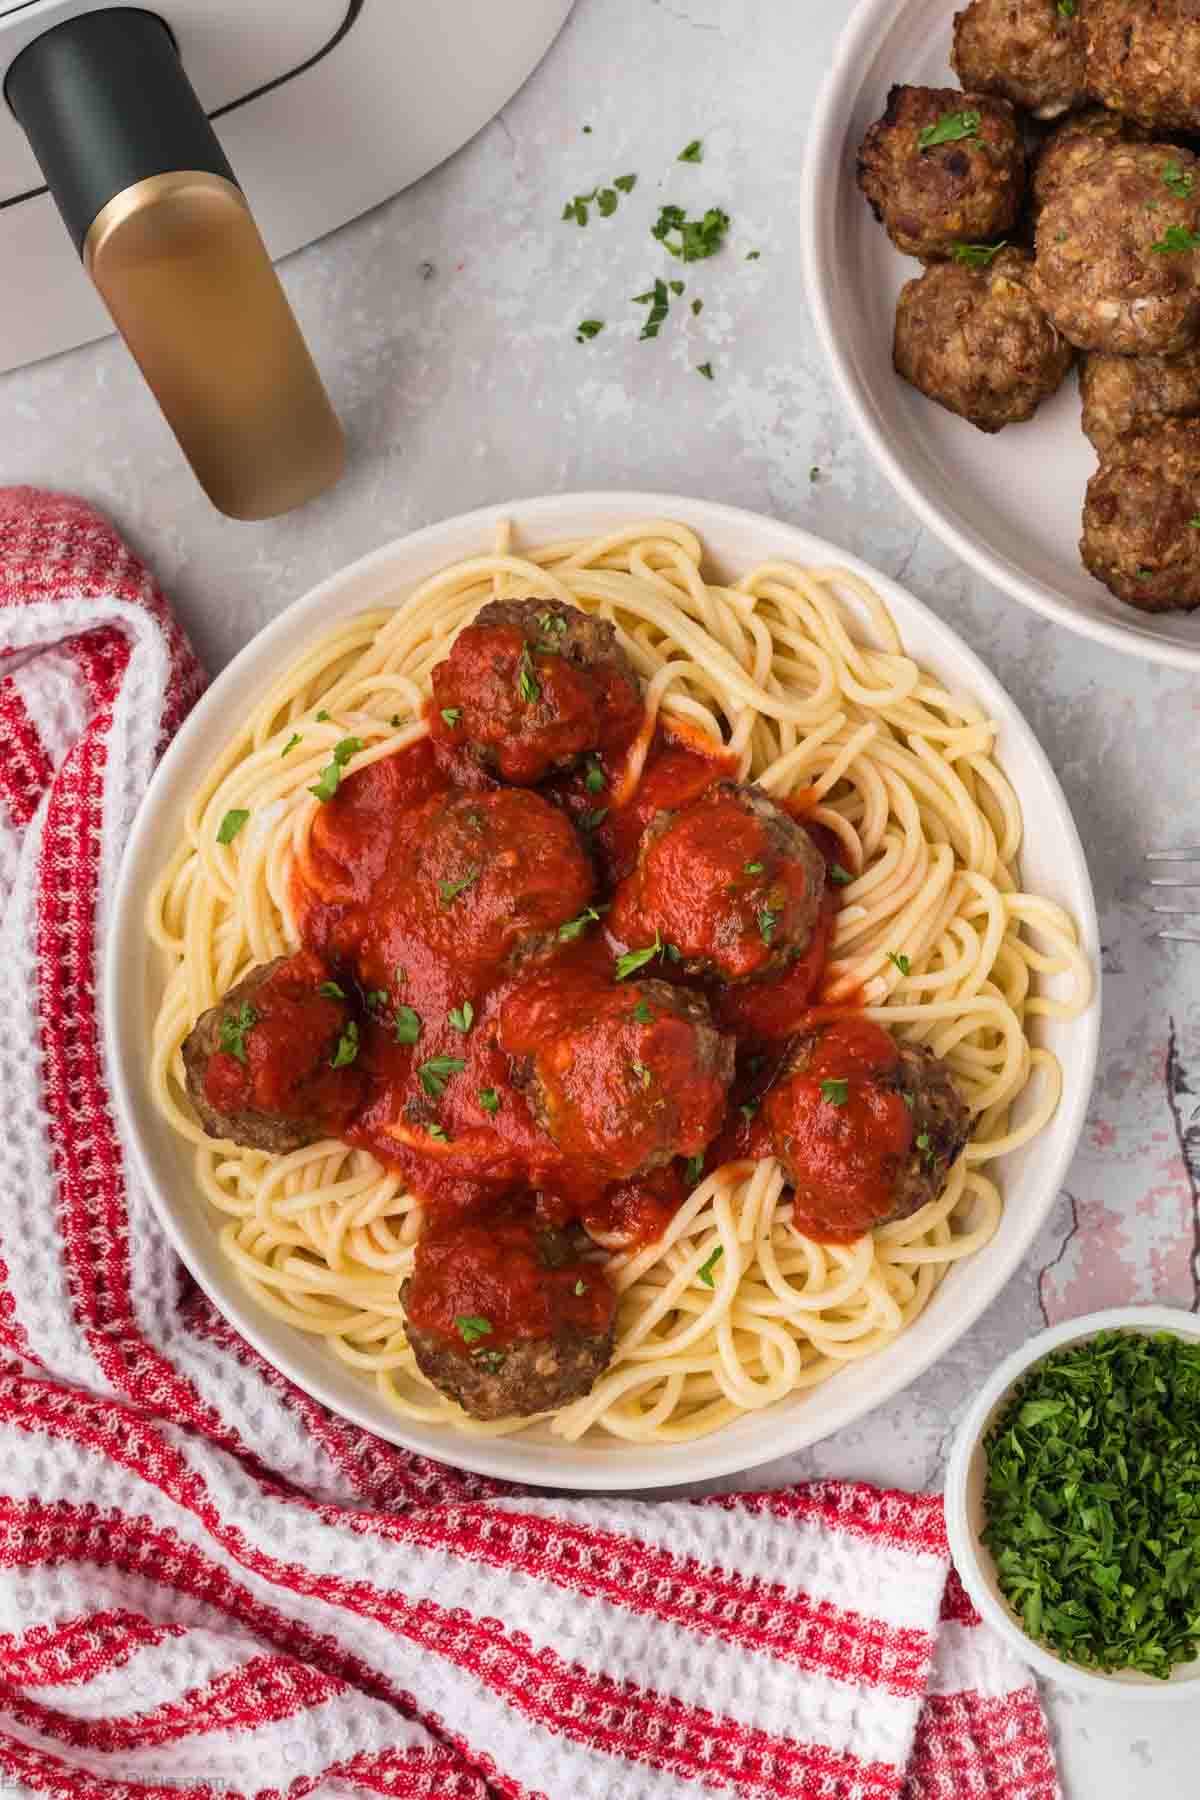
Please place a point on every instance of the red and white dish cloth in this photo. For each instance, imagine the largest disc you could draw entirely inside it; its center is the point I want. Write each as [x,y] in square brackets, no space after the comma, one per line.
[211,1586]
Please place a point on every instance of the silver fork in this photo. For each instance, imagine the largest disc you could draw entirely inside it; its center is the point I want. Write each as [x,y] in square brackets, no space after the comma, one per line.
[1191,911]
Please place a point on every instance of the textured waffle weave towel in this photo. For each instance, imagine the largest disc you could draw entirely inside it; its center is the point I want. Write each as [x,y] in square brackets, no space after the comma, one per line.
[211,1586]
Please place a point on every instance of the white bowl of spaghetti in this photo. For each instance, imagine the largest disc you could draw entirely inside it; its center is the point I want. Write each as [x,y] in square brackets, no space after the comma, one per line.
[969,925]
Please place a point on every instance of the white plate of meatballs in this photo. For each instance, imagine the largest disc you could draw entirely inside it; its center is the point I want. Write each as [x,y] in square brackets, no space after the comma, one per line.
[1002,243]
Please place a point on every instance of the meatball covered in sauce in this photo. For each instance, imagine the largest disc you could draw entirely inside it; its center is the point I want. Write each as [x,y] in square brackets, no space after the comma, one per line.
[730,881]
[622,1076]
[492,876]
[1117,267]
[1031,51]
[865,1127]
[271,1066]
[1140,536]
[531,685]
[1144,60]
[1135,393]
[942,167]
[506,1318]
[976,341]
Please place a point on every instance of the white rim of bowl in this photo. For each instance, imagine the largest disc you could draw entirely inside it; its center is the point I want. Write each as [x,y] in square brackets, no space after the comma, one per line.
[965,1548]
[481,1455]
[822,152]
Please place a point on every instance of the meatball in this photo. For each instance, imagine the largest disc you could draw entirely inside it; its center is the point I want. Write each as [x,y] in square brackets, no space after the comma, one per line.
[1140,532]
[271,1066]
[729,881]
[1136,393]
[492,876]
[1144,60]
[507,1319]
[1072,144]
[866,1128]
[622,1076]
[1027,50]
[531,685]
[942,167]
[1116,266]
[976,341]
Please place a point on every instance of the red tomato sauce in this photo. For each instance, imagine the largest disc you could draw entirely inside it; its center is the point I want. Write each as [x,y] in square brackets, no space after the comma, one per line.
[281,1061]
[492,1272]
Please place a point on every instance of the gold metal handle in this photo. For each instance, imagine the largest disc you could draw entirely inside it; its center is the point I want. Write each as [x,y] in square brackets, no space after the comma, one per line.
[180,264]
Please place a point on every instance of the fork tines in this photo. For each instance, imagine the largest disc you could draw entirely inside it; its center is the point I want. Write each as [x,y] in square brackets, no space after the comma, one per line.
[1177,881]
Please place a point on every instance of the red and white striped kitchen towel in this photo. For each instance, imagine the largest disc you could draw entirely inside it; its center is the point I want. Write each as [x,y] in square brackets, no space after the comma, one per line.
[211,1586]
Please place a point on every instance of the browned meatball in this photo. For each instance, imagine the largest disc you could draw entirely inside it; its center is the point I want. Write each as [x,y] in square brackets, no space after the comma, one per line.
[1144,60]
[976,341]
[505,1318]
[1135,393]
[1141,518]
[1030,51]
[1072,144]
[1117,266]
[943,167]
[623,1076]
[729,881]
[272,1065]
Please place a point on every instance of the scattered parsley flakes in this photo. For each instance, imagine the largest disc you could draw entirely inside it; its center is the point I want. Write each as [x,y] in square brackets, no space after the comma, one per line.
[900,961]
[835,1090]
[591,820]
[977,256]
[1195,524]
[587,130]
[951,128]
[406,1024]
[690,239]
[1181,181]
[394,721]
[491,1360]
[659,304]
[644,1013]
[607,201]
[577,208]
[676,287]
[748,1110]
[580,1288]
[626,183]
[753,868]
[489,1099]
[321,717]
[633,960]
[814,474]
[1067,8]
[450,890]
[694,1169]
[576,927]
[471,1329]
[330,990]
[674,952]
[347,1047]
[1175,240]
[588,328]
[528,685]
[697,308]
[462,1017]
[839,876]
[767,919]
[234,1029]
[705,369]
[331,775]
[693,152]
[436,1071]
[910,1100]
[438,1134]
[452,714]
[705,1271]
[594,780]
[291,743]
[231,824]
[924,1141]
[641,1074]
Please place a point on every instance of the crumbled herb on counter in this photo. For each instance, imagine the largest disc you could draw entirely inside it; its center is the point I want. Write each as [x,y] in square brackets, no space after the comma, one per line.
[693,152]
[705,369]
[588,328]
[690,239]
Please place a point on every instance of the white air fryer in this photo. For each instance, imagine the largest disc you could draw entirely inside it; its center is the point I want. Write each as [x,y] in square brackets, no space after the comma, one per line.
[185,143]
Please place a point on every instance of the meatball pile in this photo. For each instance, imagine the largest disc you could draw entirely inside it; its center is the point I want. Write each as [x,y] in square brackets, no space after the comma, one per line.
[1041,246]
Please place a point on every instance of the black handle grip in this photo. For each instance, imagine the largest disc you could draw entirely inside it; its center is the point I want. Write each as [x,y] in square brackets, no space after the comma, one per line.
[105,103]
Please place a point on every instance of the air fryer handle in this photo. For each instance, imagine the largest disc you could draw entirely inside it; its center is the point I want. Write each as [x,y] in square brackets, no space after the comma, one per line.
[166,234]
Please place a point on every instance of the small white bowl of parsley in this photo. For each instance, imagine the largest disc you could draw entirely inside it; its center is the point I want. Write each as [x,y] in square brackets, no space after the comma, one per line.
[1073,1503]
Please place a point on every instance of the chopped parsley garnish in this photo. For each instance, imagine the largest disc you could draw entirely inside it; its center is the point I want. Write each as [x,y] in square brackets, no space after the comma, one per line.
[606,200]
[594,779]
[976,256]
[528,685]
[434,1074]
[489,1099]
[577,208]
[1067,8]
[491,1360]
[1176,239]
[697,308]
[576,927]
[452,714]
[1195,524]
[450,890]
[347,1047]
[705,369]
[748,1110]
[331,774]
[231,824]
[626,183]
[592,819]
[641,1074]
[330,990]
[951,128]
[1092,1498]
[471,1329]
[705,1271]
[659,307]
[376,997]
[234,1030]
[839,876]
[753,255]
[462,1017]
[693,152]
[753,868]
[691,239]
[674,952]
[580,1288]
[901,961]
[588,328]
[291,743]
[694,1169]
[767,920]
[321,717]
[438,1134]
[814,474]
[394,721]
[1181,181]
[924,1141]
[910,1100]
[644,1013]
[836,1090]
[633,960]
[407,1025]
